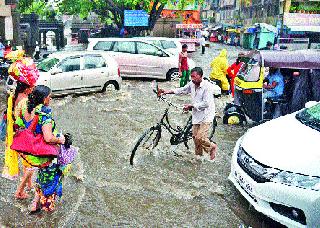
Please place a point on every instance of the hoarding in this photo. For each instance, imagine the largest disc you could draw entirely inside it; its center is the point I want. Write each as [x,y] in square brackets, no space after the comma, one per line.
[136,18]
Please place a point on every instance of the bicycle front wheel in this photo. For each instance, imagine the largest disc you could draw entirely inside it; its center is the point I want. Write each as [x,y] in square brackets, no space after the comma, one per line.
[148,141]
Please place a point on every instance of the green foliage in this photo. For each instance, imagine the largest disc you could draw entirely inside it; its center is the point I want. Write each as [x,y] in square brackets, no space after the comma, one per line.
[38,7]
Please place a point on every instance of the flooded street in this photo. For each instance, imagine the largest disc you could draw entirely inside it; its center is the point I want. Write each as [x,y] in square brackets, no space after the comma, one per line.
[162,189]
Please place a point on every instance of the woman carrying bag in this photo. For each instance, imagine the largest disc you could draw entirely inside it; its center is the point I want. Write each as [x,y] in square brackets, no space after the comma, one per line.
[39,117]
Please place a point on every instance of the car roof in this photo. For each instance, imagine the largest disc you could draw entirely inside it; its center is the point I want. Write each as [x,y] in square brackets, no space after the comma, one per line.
[159,38]
[114,39]
[63,54]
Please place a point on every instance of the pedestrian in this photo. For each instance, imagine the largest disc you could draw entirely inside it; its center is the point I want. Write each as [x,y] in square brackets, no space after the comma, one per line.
[232,73]
[203,110]
[20,100]
[203,45]
[219,66]
[49,178]
[184,71]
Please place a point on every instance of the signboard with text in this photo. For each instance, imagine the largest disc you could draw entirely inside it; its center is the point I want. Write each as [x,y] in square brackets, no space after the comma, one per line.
[136,18]
[301,19]
[189,26]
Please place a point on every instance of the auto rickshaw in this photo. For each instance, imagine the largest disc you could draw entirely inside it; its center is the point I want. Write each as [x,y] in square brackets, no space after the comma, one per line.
[301,72]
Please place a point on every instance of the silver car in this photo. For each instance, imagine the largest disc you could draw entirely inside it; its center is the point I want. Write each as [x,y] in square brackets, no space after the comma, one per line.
[77,72]
[139,58]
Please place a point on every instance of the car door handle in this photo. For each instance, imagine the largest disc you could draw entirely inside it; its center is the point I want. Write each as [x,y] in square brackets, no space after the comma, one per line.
[75,76]
[102,72]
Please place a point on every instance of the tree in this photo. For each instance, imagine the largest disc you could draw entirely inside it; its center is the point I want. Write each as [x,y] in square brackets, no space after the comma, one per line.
[114,9]
[39,7]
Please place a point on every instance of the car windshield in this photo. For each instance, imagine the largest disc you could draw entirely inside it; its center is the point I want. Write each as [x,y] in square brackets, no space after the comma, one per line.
[168,44]
[46,64]
[310,117]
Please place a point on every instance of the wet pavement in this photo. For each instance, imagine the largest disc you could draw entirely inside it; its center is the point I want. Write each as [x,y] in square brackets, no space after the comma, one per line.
[162,189]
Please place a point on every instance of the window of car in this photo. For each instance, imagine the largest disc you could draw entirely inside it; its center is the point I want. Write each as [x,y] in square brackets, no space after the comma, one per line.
[70,64]
[94,61]
[166,44]
[103,45]
[310,117]
[147,49]
[46,64]
[157,43]
[125,47]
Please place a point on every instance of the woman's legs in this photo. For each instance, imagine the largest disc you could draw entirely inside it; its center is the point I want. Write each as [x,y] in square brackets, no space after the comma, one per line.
[26,180]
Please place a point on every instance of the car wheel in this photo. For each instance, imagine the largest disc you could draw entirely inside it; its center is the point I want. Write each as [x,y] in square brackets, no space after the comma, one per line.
[173,75]
[114,83]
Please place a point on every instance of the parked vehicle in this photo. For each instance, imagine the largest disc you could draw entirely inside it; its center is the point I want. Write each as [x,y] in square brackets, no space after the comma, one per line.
[44,53]
[138,58]
[275,166]
[77,72]
[172,45]
[301,72]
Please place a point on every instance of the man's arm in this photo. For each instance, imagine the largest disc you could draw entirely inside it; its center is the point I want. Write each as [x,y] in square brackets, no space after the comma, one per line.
[184,90]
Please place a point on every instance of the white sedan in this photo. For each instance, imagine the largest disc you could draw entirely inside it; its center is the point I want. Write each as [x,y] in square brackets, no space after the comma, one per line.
[77,72]
[276,167]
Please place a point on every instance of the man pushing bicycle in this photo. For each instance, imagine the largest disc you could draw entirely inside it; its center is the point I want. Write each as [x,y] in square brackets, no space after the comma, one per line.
[203,110]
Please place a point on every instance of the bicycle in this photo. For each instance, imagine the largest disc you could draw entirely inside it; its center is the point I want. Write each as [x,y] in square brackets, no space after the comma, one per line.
[151,137]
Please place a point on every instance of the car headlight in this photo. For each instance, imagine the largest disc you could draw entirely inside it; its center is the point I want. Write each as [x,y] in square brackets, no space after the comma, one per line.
[298,180]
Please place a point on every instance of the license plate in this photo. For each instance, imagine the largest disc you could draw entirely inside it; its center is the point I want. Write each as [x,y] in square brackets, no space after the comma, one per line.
[244,184]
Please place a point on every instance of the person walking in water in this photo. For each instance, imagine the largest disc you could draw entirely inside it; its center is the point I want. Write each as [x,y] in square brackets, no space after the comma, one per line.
[184,71]
[219,66]
[203,110]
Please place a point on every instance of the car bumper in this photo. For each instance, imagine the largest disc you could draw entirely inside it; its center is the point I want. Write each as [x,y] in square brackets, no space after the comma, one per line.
[276,200]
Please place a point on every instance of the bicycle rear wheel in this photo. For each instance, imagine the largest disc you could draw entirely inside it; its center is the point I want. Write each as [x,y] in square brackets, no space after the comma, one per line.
[148,141]
[212,129]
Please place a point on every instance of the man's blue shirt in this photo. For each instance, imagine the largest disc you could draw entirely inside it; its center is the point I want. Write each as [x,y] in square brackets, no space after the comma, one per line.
[278,78]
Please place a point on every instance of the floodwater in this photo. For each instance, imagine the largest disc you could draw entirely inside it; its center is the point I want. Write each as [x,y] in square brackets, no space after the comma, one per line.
[162,189]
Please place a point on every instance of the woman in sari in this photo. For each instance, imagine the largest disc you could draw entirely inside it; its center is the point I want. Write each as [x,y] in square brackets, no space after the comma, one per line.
[49,177]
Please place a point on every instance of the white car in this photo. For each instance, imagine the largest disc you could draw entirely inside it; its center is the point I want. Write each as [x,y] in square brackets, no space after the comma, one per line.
[172,45]
[276,167]
[139,58]
[77,72]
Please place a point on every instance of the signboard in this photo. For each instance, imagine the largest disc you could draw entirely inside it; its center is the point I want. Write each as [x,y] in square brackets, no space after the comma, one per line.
[189,26]
[136,18]
[301,19]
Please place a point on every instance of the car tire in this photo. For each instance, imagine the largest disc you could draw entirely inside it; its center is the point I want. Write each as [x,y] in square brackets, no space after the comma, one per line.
[114,83]
[173,75]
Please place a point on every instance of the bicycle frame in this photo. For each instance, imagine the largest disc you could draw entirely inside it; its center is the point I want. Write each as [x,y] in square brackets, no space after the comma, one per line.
[177,134]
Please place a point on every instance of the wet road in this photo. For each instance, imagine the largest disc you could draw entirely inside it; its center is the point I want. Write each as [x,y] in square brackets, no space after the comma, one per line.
[161,190]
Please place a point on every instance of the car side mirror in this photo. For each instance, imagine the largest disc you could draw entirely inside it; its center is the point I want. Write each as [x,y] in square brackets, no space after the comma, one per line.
[56,71]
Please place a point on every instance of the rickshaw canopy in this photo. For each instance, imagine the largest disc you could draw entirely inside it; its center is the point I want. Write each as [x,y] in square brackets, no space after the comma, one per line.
[300,59]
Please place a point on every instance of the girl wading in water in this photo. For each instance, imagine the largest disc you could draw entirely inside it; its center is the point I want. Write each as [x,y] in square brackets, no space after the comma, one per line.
[184,71]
